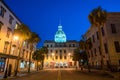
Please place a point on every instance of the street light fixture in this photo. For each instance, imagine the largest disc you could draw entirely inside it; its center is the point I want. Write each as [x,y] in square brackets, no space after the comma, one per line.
[53,54]
[15,38]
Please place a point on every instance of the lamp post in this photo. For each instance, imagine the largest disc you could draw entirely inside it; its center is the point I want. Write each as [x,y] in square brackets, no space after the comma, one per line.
[15,38]
[69,58]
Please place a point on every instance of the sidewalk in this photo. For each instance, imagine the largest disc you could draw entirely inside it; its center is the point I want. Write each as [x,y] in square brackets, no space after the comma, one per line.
[20,74]
[115,75]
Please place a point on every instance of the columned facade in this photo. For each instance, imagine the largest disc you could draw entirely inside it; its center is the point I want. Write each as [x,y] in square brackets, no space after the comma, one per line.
[60,51]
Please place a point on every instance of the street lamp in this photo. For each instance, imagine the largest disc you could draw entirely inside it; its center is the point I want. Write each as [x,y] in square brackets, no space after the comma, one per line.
[53,59]
[53,56]
[69,55]
[15,38]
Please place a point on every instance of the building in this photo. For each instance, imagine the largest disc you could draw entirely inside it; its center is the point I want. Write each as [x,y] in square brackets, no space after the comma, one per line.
[60,51]
[10,44]
[110,41]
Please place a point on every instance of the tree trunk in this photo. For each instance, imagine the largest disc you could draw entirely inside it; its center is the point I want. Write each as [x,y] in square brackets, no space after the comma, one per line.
[88,62]
[101,47]
[89,67]
[29,62]
[37,65]
[18,58]
[42,64]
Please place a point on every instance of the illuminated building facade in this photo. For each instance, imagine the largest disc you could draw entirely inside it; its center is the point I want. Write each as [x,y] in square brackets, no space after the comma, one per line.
[9,44]
[110,41]
[60,51]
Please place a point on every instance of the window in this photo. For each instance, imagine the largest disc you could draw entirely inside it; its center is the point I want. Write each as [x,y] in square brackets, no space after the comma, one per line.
[51,46]
[106,47]
[1,24]
[24,43]
[56,57]
[64,51]
[95,51]
[97,35]
[91,53]
[8,32]
[10,19]
[13,50]
[2,12]
[117,46]
[47,45]
[27,45]
[113,28]
[93,38]
[69,45]
[5,47]
[60,56]
[73,45]
[60,51]
[65,57]
[99,50]
[56,51]
[103,32]
[16,26]
[26,54]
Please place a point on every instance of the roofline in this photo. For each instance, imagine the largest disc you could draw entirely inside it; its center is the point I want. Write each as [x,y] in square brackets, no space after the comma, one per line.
[10,10]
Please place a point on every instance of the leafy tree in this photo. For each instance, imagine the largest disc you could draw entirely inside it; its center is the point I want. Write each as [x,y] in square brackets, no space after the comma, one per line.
[97,18]
[85,46]
[37,56]
[43,52]
[23,32]
[76,55]
[33,39]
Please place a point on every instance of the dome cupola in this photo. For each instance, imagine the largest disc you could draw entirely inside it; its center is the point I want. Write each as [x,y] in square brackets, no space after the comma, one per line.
[60,36]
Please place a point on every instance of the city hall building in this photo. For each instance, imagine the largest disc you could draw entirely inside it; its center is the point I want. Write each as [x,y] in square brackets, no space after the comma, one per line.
[60,51]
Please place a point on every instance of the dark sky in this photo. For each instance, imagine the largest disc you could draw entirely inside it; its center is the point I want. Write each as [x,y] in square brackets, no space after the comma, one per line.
[42,16]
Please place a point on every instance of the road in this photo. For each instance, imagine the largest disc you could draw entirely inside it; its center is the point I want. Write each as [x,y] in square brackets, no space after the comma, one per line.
[64,75]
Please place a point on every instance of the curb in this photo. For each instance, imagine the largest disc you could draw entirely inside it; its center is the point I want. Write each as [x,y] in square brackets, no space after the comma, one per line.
[24,74]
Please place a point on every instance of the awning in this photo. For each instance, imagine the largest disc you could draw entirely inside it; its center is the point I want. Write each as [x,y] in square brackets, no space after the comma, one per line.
[8,56]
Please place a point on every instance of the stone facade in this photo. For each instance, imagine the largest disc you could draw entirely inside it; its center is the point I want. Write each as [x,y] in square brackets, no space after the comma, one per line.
[60,54]
[110,41]
[9,45]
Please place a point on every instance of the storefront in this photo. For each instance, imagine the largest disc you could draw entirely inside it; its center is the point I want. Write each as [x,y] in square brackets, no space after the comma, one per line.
[2,64]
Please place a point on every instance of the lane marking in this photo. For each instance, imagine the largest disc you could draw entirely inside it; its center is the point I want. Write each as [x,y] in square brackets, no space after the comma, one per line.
[59,74]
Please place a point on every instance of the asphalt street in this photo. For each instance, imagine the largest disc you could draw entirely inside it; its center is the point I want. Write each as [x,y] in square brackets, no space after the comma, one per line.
[64,75]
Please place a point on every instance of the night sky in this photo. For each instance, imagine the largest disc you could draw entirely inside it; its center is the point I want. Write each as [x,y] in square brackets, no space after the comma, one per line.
[42,16]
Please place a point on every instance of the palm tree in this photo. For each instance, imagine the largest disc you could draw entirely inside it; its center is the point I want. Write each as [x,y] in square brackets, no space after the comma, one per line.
[97,18]
[24,33]
[33,39]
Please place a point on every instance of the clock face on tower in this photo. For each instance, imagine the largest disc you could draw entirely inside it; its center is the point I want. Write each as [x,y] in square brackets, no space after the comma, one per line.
[60,35]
